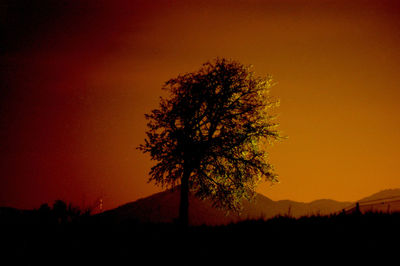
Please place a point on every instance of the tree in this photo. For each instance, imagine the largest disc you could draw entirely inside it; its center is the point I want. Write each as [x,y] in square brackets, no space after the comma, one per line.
[60,211]
[210,135]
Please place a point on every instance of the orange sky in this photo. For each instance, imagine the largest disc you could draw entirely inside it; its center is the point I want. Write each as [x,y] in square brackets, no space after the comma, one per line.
[77,79]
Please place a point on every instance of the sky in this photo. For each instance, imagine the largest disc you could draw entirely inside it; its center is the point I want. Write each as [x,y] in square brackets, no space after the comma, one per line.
[77,77]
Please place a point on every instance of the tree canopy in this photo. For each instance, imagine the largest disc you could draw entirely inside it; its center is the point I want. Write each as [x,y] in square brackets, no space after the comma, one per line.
[210,135]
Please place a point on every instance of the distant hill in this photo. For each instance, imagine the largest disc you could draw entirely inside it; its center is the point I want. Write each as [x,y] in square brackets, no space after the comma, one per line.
[387,200]
[384,194]
[164,206]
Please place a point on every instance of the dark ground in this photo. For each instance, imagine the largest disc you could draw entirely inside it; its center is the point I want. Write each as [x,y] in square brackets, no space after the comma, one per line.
[352,239]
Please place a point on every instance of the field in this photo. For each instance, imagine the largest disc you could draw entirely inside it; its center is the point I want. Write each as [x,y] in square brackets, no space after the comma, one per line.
[315,240]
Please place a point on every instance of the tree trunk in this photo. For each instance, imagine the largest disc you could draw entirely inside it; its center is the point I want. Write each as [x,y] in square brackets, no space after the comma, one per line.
[184,203]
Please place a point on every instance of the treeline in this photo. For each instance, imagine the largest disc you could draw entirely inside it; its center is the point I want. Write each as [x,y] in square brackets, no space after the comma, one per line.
[59,213]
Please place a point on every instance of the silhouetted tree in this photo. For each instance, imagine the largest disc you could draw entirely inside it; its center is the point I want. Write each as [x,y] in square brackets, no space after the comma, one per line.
[211,134]
[45,209]
[60,211]
[357,210]
[45,213]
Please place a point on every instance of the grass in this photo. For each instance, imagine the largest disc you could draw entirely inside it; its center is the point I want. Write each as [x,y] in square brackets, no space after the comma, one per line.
[316,240]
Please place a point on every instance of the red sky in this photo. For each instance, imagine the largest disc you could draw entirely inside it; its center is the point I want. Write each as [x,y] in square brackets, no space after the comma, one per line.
[77,79]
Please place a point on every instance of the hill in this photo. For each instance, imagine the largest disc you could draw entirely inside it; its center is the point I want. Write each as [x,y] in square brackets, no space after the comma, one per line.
[163,208]
[386,201]
[384,194]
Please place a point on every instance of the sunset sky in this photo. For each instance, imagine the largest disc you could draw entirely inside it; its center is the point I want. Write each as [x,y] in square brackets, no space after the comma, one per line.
[77,77]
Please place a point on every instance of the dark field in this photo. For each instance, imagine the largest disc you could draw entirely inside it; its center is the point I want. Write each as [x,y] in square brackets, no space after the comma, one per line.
[318,240]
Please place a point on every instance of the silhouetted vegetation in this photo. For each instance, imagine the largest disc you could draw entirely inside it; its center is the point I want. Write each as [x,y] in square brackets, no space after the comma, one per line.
[210,135]
[59,213]
[93,241]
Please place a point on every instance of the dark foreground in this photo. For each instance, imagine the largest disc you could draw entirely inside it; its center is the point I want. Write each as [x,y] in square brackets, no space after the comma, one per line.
[341,239]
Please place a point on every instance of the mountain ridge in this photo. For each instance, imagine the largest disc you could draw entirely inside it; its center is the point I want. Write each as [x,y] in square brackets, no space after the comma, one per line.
[383,194]
[162,207]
